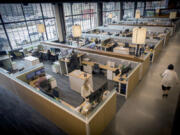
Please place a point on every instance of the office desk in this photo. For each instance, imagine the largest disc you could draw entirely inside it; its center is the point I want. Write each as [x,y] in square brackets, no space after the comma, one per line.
[76,79]
[31,61]
[107,46]
[106,67]
[52,80]
[90,64]
[64,62]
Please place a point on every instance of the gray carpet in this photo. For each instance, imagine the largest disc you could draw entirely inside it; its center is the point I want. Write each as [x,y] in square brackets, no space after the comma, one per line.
[66,93]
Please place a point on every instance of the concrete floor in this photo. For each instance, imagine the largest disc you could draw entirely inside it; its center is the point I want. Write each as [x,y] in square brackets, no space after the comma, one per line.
[145,112]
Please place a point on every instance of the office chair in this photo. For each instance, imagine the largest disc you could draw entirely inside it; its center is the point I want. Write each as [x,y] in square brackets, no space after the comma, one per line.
[96,69]
[126,45]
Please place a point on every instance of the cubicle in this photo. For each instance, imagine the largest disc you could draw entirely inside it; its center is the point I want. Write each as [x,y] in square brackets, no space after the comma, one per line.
[59,112]
[136,74]
[115,30]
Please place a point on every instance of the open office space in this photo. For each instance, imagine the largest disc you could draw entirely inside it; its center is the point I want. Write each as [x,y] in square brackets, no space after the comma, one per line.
[88,68]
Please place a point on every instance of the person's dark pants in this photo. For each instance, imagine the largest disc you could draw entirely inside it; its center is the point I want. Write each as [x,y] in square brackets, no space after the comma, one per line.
[164,88]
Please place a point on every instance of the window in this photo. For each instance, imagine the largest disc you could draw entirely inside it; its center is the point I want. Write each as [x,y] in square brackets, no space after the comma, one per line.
[128,8]
[11,12]
[18,34]
[84,14]
[111,12]
[140,6]
[32,11]
[21,22]
[4,45]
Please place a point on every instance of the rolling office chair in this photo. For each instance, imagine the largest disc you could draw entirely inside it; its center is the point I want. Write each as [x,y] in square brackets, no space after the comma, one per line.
[96,69]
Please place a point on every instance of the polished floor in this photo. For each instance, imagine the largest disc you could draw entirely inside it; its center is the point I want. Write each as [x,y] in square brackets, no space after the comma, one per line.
[143,113]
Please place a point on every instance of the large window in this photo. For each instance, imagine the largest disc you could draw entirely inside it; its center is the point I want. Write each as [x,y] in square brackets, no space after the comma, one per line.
[4,45]
[111,12]
[21,23]
[152,6]
[140,6]
[156,4]
[84,14]
[128,8]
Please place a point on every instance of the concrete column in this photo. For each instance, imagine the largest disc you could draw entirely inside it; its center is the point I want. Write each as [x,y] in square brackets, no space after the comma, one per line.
[59,15]
[100,13]
[121,11]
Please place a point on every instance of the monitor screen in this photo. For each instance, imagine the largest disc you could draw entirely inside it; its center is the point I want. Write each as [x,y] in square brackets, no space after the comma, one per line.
[3,53]
[96,96]
[30,76]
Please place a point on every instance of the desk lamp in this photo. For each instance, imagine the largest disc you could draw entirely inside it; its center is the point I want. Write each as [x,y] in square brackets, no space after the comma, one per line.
[139,37]
[76,32]
[137,15]
[41,29]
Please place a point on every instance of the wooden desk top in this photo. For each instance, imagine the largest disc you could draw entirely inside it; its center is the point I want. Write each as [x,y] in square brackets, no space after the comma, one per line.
[108,45]
[100,65]
[65,60]
[116,79]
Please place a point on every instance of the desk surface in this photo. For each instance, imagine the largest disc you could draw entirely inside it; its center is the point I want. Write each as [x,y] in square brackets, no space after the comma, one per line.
[116,79]
[91,63]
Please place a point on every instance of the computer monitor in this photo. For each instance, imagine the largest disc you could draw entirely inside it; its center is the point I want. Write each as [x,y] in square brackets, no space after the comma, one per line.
[2,53]
[64,53]
[126,69]
[96,96]
[117,72]
[30,76]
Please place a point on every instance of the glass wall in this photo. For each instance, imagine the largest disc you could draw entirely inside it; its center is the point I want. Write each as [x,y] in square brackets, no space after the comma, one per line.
[152,6]
[128,8]
[84,14]
[111,12]
[140,6]
[21,23]
[4,45]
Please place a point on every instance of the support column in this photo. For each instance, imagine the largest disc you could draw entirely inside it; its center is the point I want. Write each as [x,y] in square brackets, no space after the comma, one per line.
[144,9]
[121,11]
[135,7]
[100,13]
[59,15]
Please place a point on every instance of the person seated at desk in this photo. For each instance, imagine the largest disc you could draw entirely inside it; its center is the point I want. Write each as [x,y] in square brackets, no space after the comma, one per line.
[86,89]
[74,62]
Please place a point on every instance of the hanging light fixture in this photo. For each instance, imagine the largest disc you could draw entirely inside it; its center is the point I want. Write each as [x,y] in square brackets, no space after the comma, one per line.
[76,31]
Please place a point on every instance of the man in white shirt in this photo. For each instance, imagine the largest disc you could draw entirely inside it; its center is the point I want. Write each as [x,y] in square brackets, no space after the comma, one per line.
[169,79]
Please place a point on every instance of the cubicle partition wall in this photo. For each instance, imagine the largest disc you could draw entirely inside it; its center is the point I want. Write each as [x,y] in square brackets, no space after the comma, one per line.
[133,77]
[66,118]
[117,28]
